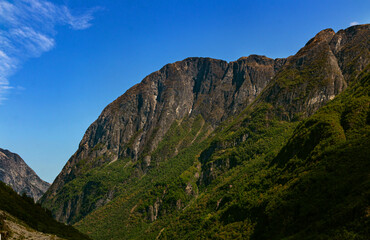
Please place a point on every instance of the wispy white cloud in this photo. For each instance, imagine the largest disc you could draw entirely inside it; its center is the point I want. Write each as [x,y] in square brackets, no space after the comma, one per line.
[27,29]
[354,23]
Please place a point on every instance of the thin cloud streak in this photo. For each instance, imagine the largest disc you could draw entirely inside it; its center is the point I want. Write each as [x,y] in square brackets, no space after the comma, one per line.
[354,23]
[27,30]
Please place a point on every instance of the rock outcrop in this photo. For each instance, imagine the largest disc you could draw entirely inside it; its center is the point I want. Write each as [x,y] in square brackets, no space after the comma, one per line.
[133,126]
[308,80]
[17,174]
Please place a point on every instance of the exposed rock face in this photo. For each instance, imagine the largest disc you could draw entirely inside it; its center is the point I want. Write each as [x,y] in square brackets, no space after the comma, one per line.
[137,121]
[134,124]
[351,48]
[213,88]
[319,71]
[309,79]
[17,174]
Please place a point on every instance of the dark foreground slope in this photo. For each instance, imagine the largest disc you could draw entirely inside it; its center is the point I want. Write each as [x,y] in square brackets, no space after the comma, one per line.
[17,174]
[24,210]
[279,164]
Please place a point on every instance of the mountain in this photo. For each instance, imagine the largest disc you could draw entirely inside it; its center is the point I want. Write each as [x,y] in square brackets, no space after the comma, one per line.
[133,126]
[258,148]
[22,218]
[17,174]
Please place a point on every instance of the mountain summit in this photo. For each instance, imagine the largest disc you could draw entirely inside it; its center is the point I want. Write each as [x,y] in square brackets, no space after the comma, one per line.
[204,147]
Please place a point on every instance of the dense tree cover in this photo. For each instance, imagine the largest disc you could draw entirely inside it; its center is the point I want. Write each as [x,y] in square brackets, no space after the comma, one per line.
[316,187]
[270,178]
[293,165]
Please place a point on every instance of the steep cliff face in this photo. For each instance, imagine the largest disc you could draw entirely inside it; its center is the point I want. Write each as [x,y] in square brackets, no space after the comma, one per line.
[178,113]
[308,80]
[319,71]
[351,48]
[212,88]
[134,124]
[305,83]
[16,173]
[271,175]
[295,180]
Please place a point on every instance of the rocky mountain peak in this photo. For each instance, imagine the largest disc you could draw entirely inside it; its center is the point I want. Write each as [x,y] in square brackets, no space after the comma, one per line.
[135,123]
[17,174]
[133,126]
[323,36]
[351,47]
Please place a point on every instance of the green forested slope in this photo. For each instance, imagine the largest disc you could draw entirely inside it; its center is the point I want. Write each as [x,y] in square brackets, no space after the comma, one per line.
[294,164]
[164,185]
[293,180]
[316,187]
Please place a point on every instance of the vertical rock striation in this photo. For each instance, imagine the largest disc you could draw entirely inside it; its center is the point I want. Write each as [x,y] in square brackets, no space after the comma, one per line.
[135,123]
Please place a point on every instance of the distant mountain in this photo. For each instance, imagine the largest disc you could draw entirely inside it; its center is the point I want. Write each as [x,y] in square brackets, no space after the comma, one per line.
[257,148]
[17,174]
[22,218]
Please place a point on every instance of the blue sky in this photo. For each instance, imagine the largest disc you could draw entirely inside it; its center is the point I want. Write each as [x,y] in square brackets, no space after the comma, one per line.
[62,62]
